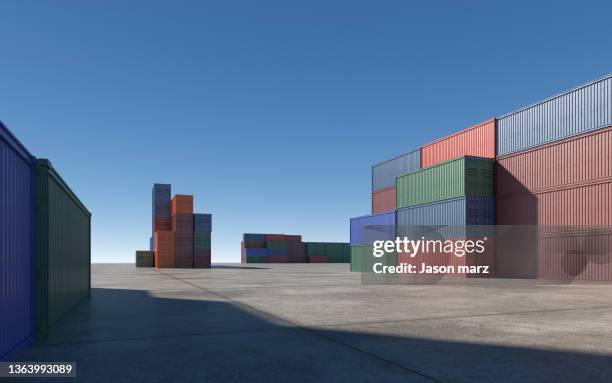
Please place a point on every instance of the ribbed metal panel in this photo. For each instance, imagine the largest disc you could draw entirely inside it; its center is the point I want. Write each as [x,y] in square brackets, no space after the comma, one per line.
[383,201]
[202,222]
[63,248]
[16,244]
[577,111]
[456,214]
[384,174]
[370,228]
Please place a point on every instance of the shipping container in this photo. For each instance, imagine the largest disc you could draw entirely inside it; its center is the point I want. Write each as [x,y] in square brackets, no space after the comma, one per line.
[384,173]
[182,225]
[202,259]
[256,259]
[447,218]
[255,244]
[63,248]
[16,244]
[317,259]
[275,237]
[370,228]
[202,241]
[335,252]
[182,204]
[202,223]
[277,259]
[296,252]
[573,162]
[144,258]
[383,200]
[162,224]
[579,110]
[478,141]
[462,177]
[164,243]
[276,245]
[161,207]
[151,247]
[255,252]
[315,249]
[363,260]
[253,237]
[293,238]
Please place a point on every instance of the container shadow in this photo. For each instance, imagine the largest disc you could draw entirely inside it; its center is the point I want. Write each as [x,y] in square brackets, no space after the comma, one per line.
[194,336]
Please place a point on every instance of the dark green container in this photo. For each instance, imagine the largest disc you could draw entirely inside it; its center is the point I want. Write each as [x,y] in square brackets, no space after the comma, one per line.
[202,240]
[63,249]
[334,252]
[276,245]
[144,258]
[257,259]
[362,259]
[315,249]
[346,250]
[465,176]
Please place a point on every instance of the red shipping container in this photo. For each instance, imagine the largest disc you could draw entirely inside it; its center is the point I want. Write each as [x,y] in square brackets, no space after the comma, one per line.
[254,244]
[182,225]
[162,224]
[478,140]
[296,252]
[201,259]
[293,238]
[275,237]
[182,204]
[164,251]
[277,259]
[383,200]
[317,259]
[579,161]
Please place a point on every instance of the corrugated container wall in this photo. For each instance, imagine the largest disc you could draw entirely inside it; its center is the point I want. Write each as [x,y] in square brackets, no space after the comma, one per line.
[456,214]
[383,200]
[370,228]
[384,174]
[63,248]
[577,111]
[16,244]
[465,176]
[161,207]
[478,140]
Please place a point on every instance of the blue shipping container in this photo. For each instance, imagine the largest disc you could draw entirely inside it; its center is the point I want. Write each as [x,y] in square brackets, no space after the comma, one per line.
[582,109]
[254,237]
[161,200]
[384,174]
[277,252]
[16,244]
[448,218]
[202,223]
[253,252]
[370,228]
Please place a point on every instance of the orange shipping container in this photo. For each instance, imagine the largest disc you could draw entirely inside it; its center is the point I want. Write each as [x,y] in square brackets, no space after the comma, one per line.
[182,204]
[383,200]
[164,249]
[478,140]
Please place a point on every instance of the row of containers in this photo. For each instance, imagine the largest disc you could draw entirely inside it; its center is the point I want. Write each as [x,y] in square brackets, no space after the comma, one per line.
[45,247]
[180,238]
[284,248]
[542,175]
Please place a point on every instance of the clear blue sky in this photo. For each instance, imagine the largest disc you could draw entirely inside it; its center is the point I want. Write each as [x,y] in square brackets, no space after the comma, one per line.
[271,115]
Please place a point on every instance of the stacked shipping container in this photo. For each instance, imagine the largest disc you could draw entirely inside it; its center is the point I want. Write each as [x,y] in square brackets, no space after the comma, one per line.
[183,240]
[282,248]
[44,246]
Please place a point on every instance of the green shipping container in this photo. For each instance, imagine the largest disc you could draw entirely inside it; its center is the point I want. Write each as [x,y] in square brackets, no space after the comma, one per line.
[346,250]
[335,252]
[256,259]
[315,249]
[63,248]
[144,258]
[465,176]
[362,259]
[276,245]
[202,240]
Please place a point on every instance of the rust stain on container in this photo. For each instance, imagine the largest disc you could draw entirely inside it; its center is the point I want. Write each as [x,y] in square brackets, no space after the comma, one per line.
[478,140]
[383,200]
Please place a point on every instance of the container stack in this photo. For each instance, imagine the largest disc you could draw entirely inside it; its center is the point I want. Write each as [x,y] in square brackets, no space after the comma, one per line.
[283,248]
[144,258]
[180,238]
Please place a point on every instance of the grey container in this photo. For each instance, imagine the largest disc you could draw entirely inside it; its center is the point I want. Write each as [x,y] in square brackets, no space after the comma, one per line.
[63,248]
[582,109]
[384,173]
[447,219]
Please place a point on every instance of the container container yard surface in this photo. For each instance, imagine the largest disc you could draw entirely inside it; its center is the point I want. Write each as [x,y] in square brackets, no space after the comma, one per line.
[63,248]
[579,110]
[384,173]
[16,244]
[478,141]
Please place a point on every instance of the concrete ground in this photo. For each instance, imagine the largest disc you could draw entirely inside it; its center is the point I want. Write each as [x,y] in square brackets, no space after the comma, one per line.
[318,323]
